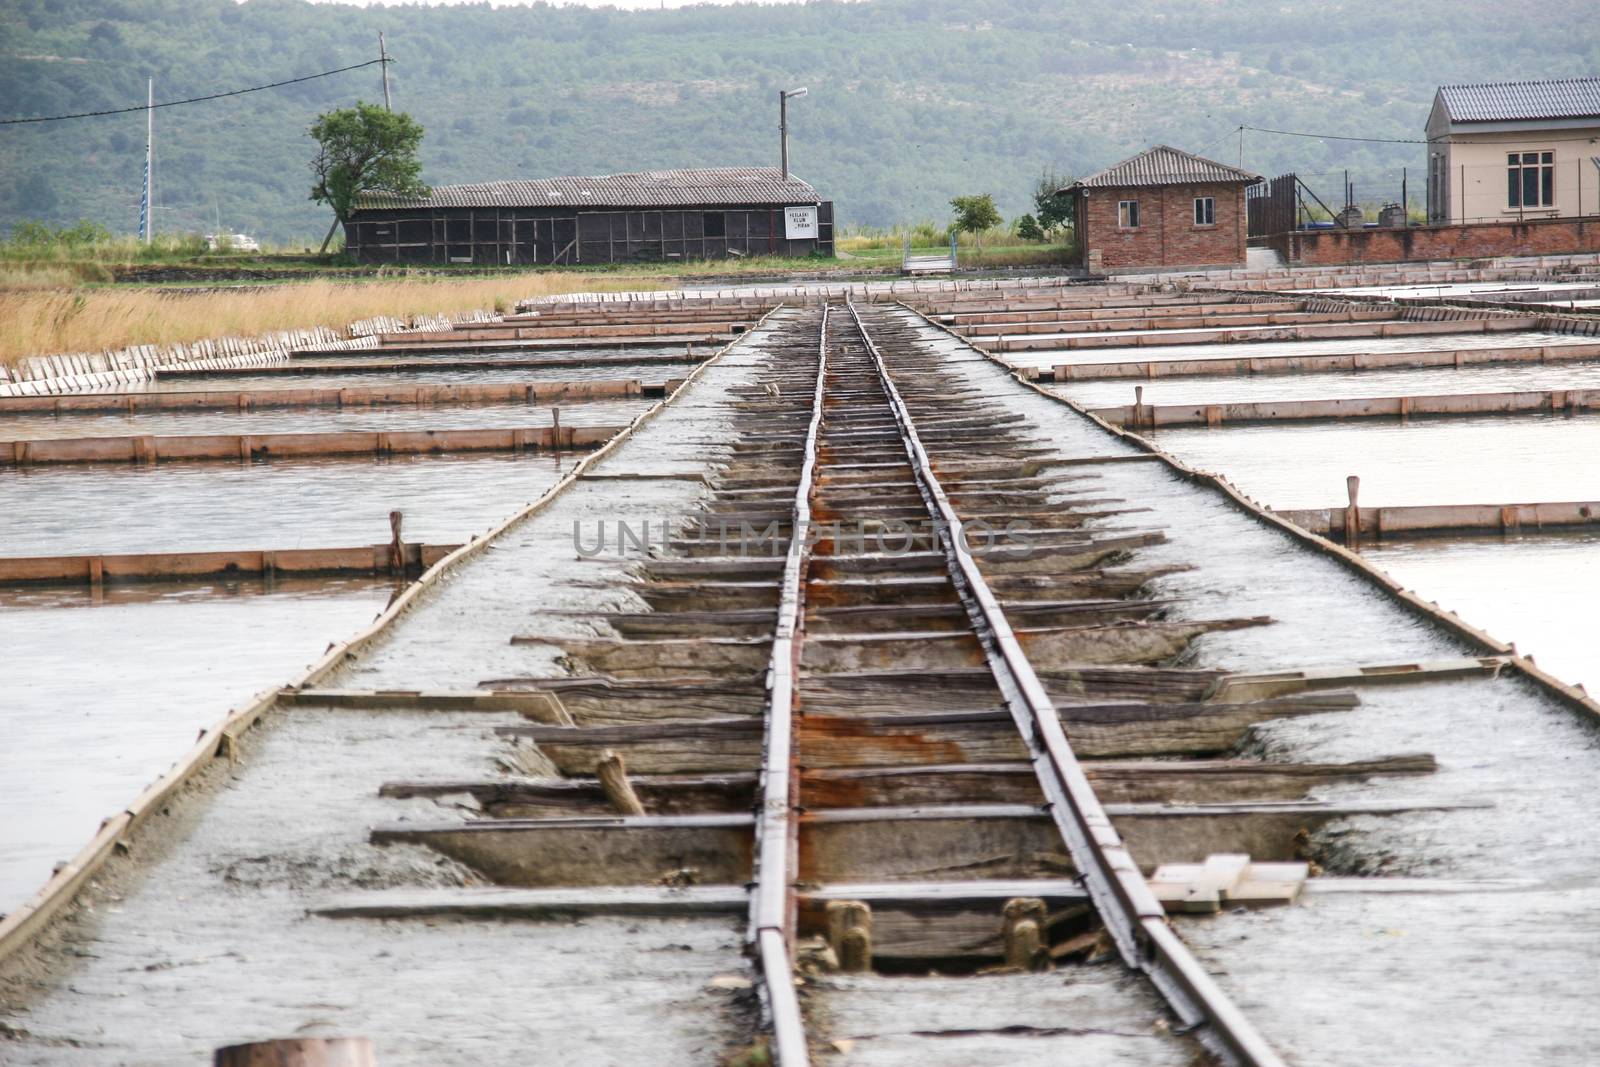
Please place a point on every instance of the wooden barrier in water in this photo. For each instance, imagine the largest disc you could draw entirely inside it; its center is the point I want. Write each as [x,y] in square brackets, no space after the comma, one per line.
[1316,332]
[149,448]
[1241,315]
[1154,416]
[352,396]
[956,319]
[1352,525]
[1241,366]
[382,363]
[403,343]
[718,313]
[269,563]
[657,332]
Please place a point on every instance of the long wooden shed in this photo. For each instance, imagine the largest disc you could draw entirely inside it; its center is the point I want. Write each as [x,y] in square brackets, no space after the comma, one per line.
[653,215]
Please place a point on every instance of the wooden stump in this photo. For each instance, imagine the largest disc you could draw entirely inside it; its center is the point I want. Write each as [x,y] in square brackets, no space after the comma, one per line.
[298,1052]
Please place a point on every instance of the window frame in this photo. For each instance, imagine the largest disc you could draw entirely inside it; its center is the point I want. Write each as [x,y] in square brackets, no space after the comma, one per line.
[1127,214]
[1210,219]
[1531,172]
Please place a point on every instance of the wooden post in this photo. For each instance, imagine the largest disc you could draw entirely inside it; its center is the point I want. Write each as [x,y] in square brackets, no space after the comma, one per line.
[397,546]
[613,775]
[850,934]
[1138,406]
[1023,934]
[1352,514]
[298,1052]
[555,431]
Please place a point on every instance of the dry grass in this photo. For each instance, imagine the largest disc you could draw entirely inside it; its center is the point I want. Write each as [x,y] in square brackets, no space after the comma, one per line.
[40,321]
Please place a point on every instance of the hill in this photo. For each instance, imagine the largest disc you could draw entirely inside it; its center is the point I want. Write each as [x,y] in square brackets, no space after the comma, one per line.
[912,101]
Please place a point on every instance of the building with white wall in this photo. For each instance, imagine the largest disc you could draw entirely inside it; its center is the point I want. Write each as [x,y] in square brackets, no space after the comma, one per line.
[1510,151]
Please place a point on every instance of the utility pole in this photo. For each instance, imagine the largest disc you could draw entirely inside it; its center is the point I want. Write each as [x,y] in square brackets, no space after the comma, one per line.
[783,125]
[383,59]
[146,202]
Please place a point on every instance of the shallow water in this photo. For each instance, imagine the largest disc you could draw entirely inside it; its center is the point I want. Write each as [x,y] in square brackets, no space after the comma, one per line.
[100,698]
[322,419]
[1514,377]
[1518,765]
[1537,591]
[215,944]
[1268,349]
[278,504]
[1424,461]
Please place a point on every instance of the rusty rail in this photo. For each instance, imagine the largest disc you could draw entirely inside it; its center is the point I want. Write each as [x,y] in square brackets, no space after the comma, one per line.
[1129,909]
[772,920]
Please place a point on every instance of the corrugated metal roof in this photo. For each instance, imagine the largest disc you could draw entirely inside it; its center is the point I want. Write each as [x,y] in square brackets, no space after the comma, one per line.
[709,186]
[1561,98]
[1165,165]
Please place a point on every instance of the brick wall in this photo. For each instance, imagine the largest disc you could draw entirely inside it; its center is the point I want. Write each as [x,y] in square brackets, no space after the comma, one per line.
[1166,236]
[1478,240]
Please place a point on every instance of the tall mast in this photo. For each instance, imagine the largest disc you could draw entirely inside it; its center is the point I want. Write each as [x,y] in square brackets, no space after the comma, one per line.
[147,202]
[383,59]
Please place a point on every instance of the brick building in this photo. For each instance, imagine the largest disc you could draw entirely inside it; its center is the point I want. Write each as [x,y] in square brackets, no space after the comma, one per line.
[1163,209]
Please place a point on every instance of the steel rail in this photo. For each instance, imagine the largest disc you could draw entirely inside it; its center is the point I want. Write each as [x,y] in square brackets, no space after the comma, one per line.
[1131,913]
[772,904]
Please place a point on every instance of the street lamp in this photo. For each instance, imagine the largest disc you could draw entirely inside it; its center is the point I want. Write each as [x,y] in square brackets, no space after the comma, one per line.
[783,123]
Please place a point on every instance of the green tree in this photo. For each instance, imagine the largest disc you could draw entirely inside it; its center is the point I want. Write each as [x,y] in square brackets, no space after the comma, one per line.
[1051,210]
[360,149]
[974,214]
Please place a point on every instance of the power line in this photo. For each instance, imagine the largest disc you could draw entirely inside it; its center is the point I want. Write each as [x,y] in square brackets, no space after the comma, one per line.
[1398,140]
[1336,136]
[198,99]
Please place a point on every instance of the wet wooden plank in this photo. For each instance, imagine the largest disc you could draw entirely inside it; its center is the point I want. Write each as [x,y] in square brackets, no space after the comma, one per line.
[149,448]
[1331,408]
[348,396]
[157,566]
[1245,366]
[1437,519]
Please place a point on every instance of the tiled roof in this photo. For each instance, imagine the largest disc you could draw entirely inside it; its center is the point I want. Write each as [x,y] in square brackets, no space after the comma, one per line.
[1563,98]
[1165,165]
[711,186]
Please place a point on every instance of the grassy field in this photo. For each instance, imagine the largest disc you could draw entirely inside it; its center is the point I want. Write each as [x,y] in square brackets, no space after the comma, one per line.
[43,321]
[62,294]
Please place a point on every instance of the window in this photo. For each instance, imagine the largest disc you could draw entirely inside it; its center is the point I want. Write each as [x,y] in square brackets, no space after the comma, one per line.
[716,224]
[1530,179]
[1205,211]
[1128,214]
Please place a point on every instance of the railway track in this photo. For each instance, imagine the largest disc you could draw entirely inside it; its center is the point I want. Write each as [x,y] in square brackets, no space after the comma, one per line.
[872,466]
[903,698]
[878,678]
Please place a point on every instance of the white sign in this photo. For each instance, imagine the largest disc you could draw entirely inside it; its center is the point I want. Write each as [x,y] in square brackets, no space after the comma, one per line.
[799,223]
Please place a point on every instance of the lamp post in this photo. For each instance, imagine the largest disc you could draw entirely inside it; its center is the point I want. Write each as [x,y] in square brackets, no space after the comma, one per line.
[783,124]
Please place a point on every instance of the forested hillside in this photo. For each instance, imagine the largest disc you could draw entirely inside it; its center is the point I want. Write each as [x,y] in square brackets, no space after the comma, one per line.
[912,101]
